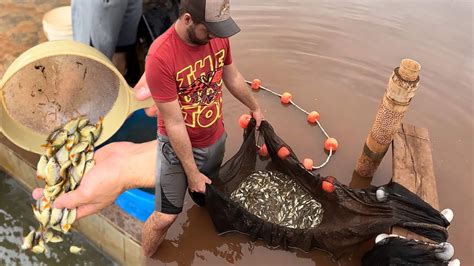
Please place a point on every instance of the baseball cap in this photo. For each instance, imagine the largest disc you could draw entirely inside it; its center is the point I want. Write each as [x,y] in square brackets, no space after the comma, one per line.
[215,14]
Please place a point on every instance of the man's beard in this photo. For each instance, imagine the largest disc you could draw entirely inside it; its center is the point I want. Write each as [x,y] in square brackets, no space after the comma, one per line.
[193,38]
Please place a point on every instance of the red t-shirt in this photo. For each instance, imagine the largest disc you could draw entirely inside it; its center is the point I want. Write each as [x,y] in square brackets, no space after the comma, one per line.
[193,75]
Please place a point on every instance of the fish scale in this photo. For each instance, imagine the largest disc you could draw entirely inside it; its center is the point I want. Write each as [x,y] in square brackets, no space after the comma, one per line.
[276,198]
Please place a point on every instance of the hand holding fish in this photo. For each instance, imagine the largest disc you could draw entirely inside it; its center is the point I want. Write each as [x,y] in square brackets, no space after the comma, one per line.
[100,186]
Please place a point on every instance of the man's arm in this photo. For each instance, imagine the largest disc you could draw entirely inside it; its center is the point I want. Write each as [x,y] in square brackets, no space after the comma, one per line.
[179,139]
[235,83]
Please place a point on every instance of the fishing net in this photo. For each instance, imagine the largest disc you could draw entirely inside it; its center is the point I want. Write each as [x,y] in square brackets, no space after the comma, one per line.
[285,205]
[399,251]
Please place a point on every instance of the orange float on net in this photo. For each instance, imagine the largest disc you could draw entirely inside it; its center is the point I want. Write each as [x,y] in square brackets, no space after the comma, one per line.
[256,83]
[244,120]
[328,184]
[330,143]
[308,164]
[283,152]
[286,97]
[313,117]
[263,151]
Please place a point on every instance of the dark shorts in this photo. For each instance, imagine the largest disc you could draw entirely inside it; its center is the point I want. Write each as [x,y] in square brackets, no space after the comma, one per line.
[171,181]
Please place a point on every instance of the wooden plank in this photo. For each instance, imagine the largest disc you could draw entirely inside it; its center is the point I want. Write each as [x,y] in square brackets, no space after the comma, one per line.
[413,168]
[413,163]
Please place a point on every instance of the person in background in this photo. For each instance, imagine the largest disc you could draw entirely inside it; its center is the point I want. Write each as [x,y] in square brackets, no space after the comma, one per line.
[185,71]
[108,25]
[111,27]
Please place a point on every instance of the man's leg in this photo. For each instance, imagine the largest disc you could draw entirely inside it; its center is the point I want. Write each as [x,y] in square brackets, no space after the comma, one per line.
[154,231]
[170,190]
[171,184]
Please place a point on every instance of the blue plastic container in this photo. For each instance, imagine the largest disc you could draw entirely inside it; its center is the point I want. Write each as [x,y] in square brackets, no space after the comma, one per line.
[137,203]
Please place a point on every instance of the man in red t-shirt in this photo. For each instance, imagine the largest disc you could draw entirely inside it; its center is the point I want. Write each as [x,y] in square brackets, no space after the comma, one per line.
[185,70]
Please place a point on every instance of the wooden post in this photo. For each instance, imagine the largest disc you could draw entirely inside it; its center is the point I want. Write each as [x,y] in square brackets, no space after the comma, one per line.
[401,88]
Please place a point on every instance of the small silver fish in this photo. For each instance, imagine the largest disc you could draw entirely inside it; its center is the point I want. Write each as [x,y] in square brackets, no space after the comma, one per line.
[71,126]
[38,249]
[274,197]
[28,240]
[78,148]
[72,140]
[41,167]
[83,121]
[76,250]
[56,239]
[56,216]
[62,155]
[58,138]
[52,172]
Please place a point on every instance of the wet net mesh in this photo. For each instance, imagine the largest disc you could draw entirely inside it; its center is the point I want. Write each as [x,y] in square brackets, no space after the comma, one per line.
[348,216]
[399,251]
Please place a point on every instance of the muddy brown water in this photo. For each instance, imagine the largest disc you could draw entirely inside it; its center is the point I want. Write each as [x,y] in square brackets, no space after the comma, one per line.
[335,57]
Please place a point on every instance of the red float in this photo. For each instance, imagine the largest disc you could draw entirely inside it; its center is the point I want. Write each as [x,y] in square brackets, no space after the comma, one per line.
[286,97]
[330,143]
[263,151]
[313,117]
[283,152]
[308,164]
[256,83]
[244,120]
[328,184]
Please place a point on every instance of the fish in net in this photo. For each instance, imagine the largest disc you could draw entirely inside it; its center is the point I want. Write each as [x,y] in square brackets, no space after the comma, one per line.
[276,198]
[342,218]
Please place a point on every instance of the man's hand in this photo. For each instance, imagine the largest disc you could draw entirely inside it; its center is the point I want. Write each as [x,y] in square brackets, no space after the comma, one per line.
[142,92]
[100,186]
[235,83]
[197,182]
[258,116]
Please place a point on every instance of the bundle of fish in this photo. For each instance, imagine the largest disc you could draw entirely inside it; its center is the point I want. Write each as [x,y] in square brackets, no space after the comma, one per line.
[69,154]
[276,198]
